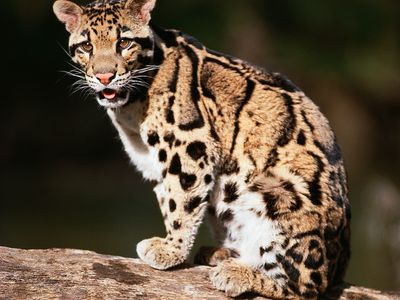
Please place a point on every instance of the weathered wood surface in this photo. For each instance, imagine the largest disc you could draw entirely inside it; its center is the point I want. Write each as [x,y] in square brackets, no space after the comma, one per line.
[77,274]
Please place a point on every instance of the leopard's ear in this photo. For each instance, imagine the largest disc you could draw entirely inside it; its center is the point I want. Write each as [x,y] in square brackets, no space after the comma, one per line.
[140,10]
[68,13]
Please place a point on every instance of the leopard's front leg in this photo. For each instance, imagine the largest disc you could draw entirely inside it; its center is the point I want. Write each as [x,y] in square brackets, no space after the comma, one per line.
[183,197]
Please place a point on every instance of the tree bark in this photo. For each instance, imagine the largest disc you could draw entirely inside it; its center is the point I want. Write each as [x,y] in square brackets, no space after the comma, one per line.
[78,274]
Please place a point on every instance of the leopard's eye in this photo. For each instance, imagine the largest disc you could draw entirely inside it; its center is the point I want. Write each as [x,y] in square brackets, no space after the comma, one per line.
[124,44]
[87,47]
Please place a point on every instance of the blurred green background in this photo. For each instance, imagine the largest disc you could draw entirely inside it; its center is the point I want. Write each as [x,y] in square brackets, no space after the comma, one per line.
[66,182]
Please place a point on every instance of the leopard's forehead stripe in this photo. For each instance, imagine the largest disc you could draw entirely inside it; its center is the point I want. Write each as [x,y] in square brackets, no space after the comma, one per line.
[104,14]
[102,20]
[104,3]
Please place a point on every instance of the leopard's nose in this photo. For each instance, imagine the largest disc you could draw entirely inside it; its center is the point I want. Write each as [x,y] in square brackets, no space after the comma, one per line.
[105,78]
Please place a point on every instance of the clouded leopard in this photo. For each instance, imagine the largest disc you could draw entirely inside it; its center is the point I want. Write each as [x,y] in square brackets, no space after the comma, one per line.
[222,137]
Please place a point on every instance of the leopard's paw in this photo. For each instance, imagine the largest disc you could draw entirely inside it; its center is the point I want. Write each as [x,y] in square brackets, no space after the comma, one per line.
[158,254]
[232,277]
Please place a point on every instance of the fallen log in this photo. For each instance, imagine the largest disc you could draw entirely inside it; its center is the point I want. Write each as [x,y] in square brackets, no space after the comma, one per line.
[77,274]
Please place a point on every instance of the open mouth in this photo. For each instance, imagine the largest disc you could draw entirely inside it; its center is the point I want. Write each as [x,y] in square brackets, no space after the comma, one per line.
[112,95]
[112,98]
[109,94]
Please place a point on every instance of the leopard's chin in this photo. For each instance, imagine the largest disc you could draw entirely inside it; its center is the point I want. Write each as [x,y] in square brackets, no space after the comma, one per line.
[112,99]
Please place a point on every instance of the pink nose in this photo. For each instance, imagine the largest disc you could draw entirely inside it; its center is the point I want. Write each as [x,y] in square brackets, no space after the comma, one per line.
[105,78]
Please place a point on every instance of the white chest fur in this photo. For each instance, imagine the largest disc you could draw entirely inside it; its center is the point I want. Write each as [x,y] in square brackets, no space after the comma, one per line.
[133,137]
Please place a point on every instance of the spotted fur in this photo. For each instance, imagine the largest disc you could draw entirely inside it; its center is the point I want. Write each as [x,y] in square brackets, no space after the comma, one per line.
[219,135]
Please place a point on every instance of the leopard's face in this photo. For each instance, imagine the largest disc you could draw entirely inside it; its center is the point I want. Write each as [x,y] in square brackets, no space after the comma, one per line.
[112,44]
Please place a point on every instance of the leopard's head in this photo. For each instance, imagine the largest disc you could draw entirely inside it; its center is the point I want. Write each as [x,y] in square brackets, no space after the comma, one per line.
[112,44]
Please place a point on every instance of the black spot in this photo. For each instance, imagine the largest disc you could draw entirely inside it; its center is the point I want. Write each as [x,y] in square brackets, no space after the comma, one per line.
[307,121]
[316,277]
[187,180]
[206,91]
[196,150]
[314,260]
[289,123]
[145,43]
[208,179]
[177,225]
[298,203]
[297,257]
[334,186]
[144,60]
[268,267]
[250,86]
[272,159]
[173,83]
[287,185]
[330,233]
[171,99]
[255,187]
[207,198]
[308,233]
[153,138]
[195,94]
[229,166]
[158,58]
[198,123]
[169,138]
[310,294]
[164,173]
[278,80]
[226,216]
[170,116]
[285,243]
[172,205]
[175,167]
[162,155]
[331,151]
[313,244]
[294,287]
[192,41]
[281,276]
[231,192]
[167,36]
[309,285]
[125,29]
[301,138]
[315,186]
[285,291]
[266,250]
[192,204]
[178,143]
[271,201]
[290,270]
[201,165]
